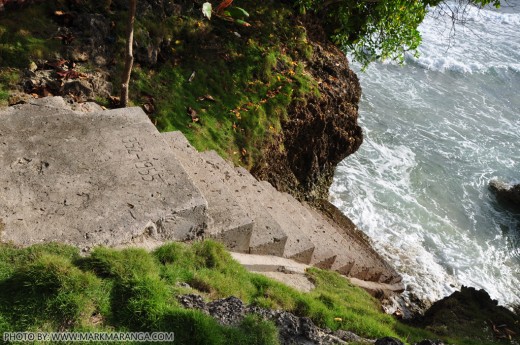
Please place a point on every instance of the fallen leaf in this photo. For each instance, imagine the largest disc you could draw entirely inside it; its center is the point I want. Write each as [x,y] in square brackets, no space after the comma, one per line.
[193,114]
[207,98]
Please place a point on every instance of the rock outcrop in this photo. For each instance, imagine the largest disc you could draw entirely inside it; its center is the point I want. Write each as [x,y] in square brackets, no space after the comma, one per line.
[471,313]
[320,131]
[292,329]
[507,194]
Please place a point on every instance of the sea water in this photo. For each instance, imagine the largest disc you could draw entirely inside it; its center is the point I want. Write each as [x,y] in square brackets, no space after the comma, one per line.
[436,131]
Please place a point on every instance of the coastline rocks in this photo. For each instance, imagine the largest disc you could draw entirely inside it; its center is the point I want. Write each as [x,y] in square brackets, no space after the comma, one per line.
[508,195]
[470,313]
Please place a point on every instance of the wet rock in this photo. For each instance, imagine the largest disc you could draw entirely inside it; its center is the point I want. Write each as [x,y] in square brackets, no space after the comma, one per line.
[388,341]
[507,194]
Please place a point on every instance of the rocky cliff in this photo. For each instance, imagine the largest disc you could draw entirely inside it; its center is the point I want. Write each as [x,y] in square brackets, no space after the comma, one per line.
[320,131]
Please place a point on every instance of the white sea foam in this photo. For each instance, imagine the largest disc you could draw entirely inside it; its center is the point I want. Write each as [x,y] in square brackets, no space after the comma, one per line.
[436,132]
[488,41]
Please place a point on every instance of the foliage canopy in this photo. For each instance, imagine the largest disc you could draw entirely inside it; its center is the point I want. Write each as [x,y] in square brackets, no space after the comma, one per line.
[377,29]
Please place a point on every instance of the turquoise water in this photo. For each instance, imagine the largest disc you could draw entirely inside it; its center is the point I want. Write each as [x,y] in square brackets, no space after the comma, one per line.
[437,130]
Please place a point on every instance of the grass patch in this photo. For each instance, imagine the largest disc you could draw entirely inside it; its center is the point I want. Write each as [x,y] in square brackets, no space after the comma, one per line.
[8,79]
[252,74]
[51,287]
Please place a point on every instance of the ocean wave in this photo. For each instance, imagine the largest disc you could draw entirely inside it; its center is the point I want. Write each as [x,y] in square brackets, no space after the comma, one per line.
[452,64]
[485,42]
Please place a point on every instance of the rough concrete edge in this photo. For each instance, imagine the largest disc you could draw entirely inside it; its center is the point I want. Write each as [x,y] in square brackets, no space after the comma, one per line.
[277,246]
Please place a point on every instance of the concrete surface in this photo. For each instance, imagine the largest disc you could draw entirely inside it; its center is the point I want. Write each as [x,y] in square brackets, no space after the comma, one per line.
[88,179]
[298,246]
[268,237]
[229,223]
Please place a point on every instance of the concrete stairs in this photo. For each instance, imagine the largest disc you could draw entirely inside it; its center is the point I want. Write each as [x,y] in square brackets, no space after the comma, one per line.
[109,177]
[241,207]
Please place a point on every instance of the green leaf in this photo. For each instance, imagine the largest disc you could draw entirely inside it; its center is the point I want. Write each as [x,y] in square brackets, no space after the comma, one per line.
[237,13]
[206,10]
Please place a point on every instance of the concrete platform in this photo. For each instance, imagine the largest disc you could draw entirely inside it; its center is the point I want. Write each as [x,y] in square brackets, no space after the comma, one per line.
[268,237]
[229,223]
[292,273]
[89,179]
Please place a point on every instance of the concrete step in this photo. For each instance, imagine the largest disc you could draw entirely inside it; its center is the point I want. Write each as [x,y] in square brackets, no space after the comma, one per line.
[355,259]
[323,256]
[106,178]
[298,247]
[285,270]
[268,237]
[342,247]
[230,223]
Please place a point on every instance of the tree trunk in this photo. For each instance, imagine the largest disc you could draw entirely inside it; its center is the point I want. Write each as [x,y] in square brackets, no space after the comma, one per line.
[129,56]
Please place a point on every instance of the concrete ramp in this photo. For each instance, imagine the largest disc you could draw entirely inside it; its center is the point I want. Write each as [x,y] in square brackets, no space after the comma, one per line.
[88,179]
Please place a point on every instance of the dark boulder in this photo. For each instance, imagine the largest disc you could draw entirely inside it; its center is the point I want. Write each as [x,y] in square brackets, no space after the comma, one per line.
[472,314]
[192,301]
[508,195]
[228,311]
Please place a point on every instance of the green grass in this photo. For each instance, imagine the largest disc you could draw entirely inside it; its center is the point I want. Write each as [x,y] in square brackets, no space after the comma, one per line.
[253,74]
[52,288]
